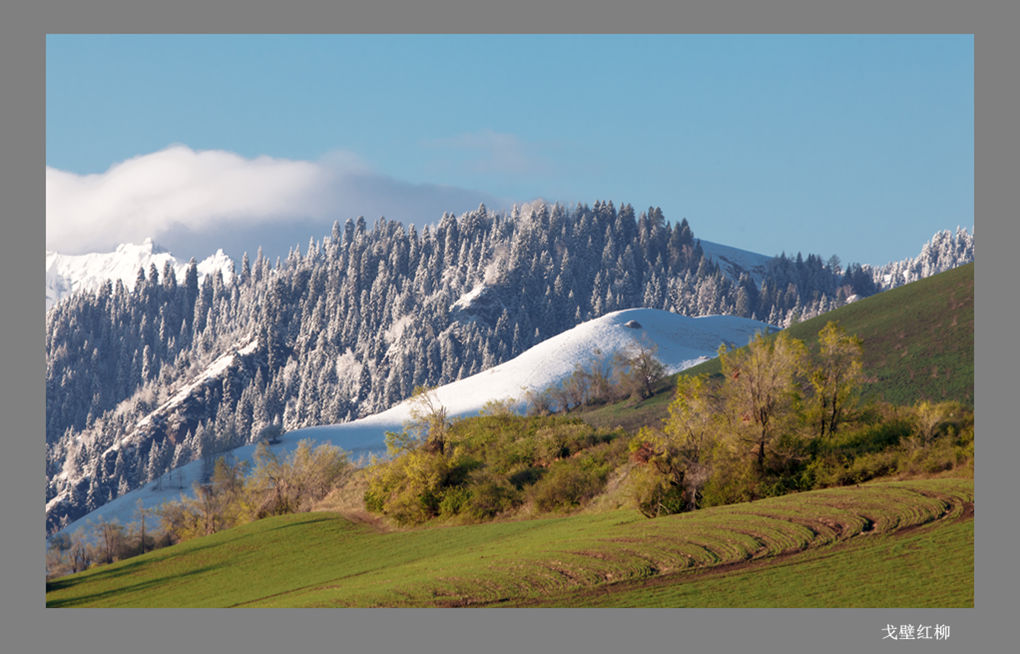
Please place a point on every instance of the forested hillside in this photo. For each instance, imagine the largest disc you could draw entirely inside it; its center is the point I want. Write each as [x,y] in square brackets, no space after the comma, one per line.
[144,380]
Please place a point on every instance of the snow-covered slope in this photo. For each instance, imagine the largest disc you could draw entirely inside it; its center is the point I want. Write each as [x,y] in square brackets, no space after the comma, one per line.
[681,342]
[735,261]
[69,273]
[134,437]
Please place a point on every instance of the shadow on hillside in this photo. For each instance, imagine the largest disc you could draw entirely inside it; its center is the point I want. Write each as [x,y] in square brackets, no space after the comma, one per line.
[81,600]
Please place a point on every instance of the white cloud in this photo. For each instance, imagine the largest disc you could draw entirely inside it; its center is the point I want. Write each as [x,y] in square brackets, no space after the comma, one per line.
[176,187]
[179,196]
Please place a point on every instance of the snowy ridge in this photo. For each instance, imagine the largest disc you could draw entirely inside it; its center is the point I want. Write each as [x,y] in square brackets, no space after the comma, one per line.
[70,273]
[215,370]
[734,261]
[681,342]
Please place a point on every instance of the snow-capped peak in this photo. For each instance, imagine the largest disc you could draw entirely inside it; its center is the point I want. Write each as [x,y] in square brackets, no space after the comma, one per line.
[69,273]
[146,247]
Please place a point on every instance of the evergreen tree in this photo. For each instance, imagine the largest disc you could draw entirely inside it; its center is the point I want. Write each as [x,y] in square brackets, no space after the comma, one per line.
[113,356]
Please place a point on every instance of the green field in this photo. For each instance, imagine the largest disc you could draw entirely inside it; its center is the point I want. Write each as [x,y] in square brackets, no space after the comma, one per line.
[926,567]
[918,344]
[887,532]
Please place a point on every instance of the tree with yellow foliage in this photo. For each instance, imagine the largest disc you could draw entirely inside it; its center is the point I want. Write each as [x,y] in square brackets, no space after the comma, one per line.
[760,389]
[676,459]
[836,377]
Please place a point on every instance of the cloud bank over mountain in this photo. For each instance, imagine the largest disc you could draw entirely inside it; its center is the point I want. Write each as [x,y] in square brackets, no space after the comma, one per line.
[189,199]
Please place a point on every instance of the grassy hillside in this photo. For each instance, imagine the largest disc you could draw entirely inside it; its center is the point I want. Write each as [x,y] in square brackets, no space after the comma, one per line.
[923,567]
[918,344]
[918,339]
[326,560]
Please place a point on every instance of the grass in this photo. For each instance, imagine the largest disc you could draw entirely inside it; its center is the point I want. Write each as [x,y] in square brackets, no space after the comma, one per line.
[326,560]
[929,568]
[918,345]
[918,339]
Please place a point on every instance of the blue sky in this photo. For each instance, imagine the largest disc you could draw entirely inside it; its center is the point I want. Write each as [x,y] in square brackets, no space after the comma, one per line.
[860,146]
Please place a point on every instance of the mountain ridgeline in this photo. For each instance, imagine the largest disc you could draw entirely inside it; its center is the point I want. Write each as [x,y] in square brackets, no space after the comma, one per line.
[140,381]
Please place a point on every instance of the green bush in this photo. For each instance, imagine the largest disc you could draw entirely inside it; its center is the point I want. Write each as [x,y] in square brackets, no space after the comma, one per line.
[893,447]
[863,438]
[568,484]
[938,456]
[655,494]
[734,479]
[562,441]
[410,488]
[488,466]
[454,501]
[490,497]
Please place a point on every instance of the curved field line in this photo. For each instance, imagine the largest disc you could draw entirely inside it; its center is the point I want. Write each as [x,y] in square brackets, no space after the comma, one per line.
[785,525]
[522,563]
[708,539]
[718,537]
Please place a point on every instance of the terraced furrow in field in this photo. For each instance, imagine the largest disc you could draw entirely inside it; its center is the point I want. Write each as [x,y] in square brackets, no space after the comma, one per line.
[326,561]
[775,527]
[732,535]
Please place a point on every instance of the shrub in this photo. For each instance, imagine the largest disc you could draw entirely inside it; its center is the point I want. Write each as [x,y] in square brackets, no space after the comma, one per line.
[562,441]
[489,497]
[734,479]
[637,371]
[569,483]
[276,486]
[504,407]
[655,494]
[409,489]
[865,438]
[454,500]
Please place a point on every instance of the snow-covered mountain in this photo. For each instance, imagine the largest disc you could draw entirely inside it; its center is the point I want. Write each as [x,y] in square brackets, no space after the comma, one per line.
[349,328]
[680,343]
[70,273]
